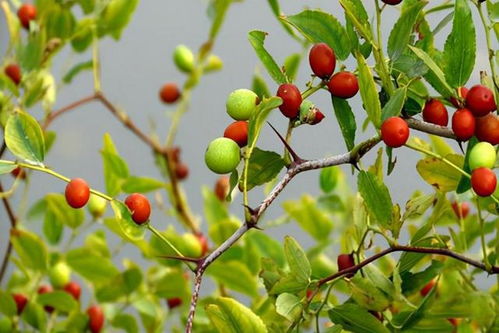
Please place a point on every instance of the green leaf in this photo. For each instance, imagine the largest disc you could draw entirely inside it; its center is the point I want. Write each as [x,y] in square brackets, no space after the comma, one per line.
[24,138]
[329,177]
[291,66]
[258,118]
[141,184]
[223,229]
[367,294]
[7,304]
[129,228]
[120,285]
[214,210]
[395,104]
[77,69]
[318,26]
[6,167]
[439,174]
[274,5]
[82,37]
[267,246]
[412,283]
[115,17]
[346,120]
[263,167]
[259,86]
[402,30]
[224,273]
[126,322]
[92,267]
[356,319]
[30,54]
[60,23]
[30,249]
[376,197]
[257,39]
[229,316]
[297,259]
[58,210]
[59,300]
[219,7]
[289,306]
[115,168]
[459,65]
[356,13]
[289,283]
[368,91]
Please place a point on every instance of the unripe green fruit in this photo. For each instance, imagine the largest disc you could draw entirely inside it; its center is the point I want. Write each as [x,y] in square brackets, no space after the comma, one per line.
[183,58]
[482,154]
[96,205]
[5,325]
[191,245]
[222,155]
[241,104]
[213,64]
[59,275]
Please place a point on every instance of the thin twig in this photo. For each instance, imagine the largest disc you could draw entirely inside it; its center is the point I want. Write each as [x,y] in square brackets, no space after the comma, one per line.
[13,223]
[69,107]
[430,128]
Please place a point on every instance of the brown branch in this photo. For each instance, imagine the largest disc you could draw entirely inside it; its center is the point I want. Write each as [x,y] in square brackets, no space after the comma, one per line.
[13,223]
[430,128]
[69,107]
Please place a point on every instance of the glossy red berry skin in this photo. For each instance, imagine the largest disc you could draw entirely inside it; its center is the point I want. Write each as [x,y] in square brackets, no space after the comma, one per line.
[322,60]
[318,118]
[21,301]
[181,171]
[461,209]
[169,93]
[461,92]
[392,2]
[483,181]
[427,288]
[139,206]
[174,302]
[463,124]
[343,85]
[77,193]
[394,132]
[73,289]
[13,72]
[44,290]
[204,243]
[238,131]
[487,128]
[95,318]
[480,100]
[26,14]
[291,100]
[435,112]
[345,261]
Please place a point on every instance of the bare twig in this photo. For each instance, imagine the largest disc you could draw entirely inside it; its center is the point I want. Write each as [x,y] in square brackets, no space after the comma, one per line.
[13,223]
[67,108]
[430,128]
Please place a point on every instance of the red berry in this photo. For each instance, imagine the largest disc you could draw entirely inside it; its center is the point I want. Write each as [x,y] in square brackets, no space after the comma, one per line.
[480,100]
[21,302]
[392,2]
[174,302]
[345,261]
[204,243]
[181,171]
[483,181]
[309,293]
[426,289]
[322,60]
[291,100]
[238,131]
[394,132]
[95,318]
[13,71]
[26,13]
[318,118]
[77,193]
[487,129]
[222,187]
[139,206]
[435,112]
[169,93]
[18,173]
[343,85]
[44,290]
[73,289]
[460,209]
[463,124]
[462,92]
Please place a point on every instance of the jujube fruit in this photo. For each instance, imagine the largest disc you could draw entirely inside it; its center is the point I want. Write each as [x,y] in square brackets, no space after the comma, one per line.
[174,302]
[480,100]
[322,60]
[460,209]
[427,288]
[394,132]
[19,173]
[482,154]
[487,128]
[169,93]
[181,171]
[435,112]
[309,113]
[44,290]
[483,181]
[463,124]
[222,187]
[77,193]
[238,131]
[462,92]
[59,274]
[222,155]
[96,205]
[191,246]
[291,99]
[21,301]
[241,104]
[343,85]
[183,58]
[345,261]
[392,2]
[73,289]
[203,241]
[26,14]
[95,318]
[13,72]
[214,63]
[139,206]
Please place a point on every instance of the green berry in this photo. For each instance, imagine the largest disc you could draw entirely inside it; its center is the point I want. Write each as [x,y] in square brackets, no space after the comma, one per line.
[96,205]
[482,154]
[183,58]
[213,64]
[222,155]
[59,275]
[191,245]
[241,104]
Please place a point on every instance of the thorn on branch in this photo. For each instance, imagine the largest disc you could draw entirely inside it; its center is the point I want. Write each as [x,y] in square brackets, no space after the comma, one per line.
[197,261]
[297,160]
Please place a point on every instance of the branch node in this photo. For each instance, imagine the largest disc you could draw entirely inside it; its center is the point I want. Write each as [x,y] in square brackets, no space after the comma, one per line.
[297,160]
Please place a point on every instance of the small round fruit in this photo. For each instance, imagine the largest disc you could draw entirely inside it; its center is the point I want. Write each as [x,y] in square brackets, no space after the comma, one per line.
[241,104]
[183,58]
[44,290]
[222,155]
[181,171]
[480,100]
[13,72]
[291,99]
[482,154]
[462,92]
[487,128]
[222,188]
[343,85]
[345,261]
[174,302]
[322,60]
[96,205]
[213,64]
[59,274]
[392,2]
[238,131]
[461,209]
[19,173]
[309,113]
[204,243]
[394,132]
[77,193]
[73,289]
[139,206]
[483,181]
[169,93]
[191,245]
[21,301]
[427,288]
[435,112]
[95,318]
[463,124]
[26,14]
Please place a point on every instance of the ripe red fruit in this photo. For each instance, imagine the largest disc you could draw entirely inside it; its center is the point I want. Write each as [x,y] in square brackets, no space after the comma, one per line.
[21,302]
[26,13]
[95,318]
[139,206]
[291,100]
[480,100]
[463,124]
[322,60]
[43,290]
[174,302]
[427,288]
[394,132]
[204,243]
[460,209]
[73,289]
[13,72]
[181,171]
[169,93]
[222,187]
[345,261]
[309,293]
[238,131]
[18,173]
[483,181]
[343,85]
[77,193]
[462,92]
[392,2]
[435,112]
[487,129]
